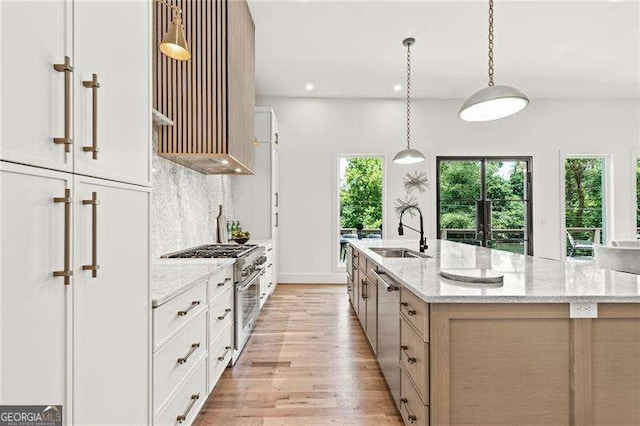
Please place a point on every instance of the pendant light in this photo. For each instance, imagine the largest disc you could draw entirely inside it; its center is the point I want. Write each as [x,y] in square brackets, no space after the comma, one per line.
[493,102]
[408,155]
[174,42]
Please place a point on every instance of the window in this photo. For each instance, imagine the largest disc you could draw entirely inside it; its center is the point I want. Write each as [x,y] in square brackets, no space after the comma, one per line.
[486,201]
[360,195]
[585,209]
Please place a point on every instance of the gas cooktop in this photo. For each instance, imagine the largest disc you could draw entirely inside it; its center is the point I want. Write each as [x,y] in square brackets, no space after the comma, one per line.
[214,251]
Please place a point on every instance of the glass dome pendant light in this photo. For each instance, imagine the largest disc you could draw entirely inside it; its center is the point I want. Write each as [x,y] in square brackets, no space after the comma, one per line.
[408,155]
[493,102]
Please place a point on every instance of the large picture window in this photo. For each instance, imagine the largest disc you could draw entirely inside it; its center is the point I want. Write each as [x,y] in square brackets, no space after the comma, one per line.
[360,197]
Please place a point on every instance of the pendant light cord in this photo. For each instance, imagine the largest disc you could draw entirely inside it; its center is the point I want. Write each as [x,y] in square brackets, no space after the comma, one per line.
[408,96]
[491,70]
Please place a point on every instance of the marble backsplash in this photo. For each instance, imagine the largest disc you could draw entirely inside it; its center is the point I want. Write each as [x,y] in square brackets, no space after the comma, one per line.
[184,205]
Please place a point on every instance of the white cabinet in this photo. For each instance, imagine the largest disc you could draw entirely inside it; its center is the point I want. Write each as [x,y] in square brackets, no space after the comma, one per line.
[257,197]
[112,41]
[34,304]
[106,119]
[111,324]
[34,36]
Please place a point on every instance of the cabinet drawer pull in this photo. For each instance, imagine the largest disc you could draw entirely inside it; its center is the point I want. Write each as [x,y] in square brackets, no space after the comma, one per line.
[93,267]
[365,286]
[226,312]
[270,265]
[409,311]
[186,311]
[410,417]
[269,249]
[191,351]
[226,280]
[182,417]
[94,86]
[226,351]
[410,359]
[67,69]
[66,272]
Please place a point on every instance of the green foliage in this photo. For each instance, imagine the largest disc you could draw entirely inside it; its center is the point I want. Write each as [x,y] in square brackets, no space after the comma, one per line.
[460,188]
[361,193]
[583,192]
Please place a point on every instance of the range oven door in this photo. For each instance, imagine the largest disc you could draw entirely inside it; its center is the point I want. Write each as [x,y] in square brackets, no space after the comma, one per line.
[247,308]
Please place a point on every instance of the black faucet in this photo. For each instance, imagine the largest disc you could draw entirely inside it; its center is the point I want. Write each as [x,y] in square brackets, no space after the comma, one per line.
[423,240]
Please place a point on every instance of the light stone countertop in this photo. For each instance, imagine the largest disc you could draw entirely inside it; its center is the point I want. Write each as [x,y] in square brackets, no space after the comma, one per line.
[172,277]
[526,279]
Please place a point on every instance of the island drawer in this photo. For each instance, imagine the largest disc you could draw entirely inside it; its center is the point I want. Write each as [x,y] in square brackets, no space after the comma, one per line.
[220,353]
[413,411]
[220,314]
[185,403]
[220,282]
[416,312]
[176,313]
[173,361]
[414,358]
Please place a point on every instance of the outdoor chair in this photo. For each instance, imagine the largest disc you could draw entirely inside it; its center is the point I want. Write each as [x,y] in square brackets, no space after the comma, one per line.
[575,245]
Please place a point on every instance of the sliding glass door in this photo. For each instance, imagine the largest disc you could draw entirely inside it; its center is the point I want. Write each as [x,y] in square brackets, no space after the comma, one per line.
[486,201]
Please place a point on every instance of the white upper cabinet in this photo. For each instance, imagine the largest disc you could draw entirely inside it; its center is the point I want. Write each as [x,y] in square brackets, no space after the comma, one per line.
[33,303]
[112,41]
[111,350]
[34,36]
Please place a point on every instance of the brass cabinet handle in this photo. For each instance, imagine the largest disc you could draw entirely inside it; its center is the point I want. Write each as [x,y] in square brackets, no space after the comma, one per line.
[186,311]
[191,351]
[226,351]
[66,272]
[94,86]
[67,69]
[277,139]
[276,219]
[410,359]
[277,201]
[182,417]
[365,286]
[409,311]
[226,280]
[410,417]
[226,312]
[93,202]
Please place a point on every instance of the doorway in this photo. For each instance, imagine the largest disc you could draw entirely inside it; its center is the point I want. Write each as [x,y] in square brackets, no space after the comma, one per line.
[486,201]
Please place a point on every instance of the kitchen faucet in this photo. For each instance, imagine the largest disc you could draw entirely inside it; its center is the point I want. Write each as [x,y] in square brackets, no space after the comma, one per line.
[423,240]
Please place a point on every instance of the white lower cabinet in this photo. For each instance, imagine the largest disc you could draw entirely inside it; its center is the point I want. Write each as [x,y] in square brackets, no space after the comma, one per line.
[193,344]
[69,337]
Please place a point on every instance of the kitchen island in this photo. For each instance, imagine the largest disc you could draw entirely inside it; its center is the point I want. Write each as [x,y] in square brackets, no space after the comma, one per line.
[555,344]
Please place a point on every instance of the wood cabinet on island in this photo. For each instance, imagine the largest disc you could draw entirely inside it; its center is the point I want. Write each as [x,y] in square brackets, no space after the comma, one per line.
[518,353]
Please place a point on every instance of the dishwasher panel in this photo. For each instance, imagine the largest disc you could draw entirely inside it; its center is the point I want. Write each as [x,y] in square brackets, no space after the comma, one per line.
[389,332]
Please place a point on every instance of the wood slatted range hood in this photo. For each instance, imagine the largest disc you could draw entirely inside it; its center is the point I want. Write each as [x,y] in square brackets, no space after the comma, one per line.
[210,98]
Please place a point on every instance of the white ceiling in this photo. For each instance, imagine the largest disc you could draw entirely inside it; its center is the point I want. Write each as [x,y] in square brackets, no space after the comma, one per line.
[352,49]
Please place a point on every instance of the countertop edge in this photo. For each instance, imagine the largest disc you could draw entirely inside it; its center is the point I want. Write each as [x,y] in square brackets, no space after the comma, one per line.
[159,301]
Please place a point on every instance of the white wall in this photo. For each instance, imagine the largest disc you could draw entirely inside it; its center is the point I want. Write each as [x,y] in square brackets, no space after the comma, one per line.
[313,132]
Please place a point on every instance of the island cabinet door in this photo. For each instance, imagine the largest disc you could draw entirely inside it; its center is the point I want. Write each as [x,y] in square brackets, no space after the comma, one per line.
[501,364]
[111,334]
[372,314]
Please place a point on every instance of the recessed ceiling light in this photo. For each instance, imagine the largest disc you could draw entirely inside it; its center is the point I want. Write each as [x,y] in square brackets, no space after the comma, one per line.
[309,86]
[237,170]
[397,88]
[224,161]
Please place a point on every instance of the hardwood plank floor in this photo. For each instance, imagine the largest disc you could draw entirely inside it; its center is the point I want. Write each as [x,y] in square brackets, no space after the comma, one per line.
[307,363]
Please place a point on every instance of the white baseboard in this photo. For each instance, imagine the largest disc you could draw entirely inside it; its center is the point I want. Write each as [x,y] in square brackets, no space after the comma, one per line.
[311,278]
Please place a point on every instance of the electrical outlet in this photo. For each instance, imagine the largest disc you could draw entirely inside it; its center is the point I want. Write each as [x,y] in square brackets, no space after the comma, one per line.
[583,310]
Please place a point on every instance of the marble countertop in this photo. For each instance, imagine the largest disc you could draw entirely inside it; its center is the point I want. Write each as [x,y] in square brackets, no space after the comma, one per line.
[526,279]
[172,277]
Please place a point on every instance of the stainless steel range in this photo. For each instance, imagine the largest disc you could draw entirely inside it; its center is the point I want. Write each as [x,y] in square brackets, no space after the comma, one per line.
[249,265]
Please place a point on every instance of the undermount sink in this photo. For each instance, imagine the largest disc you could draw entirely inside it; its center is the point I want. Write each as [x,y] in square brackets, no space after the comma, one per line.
[398,252]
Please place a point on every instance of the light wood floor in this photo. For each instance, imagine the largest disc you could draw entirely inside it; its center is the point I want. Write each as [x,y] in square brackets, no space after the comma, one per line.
[307,363]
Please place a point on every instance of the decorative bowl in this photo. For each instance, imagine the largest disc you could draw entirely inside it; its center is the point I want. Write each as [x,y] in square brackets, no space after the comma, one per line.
[240,240]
